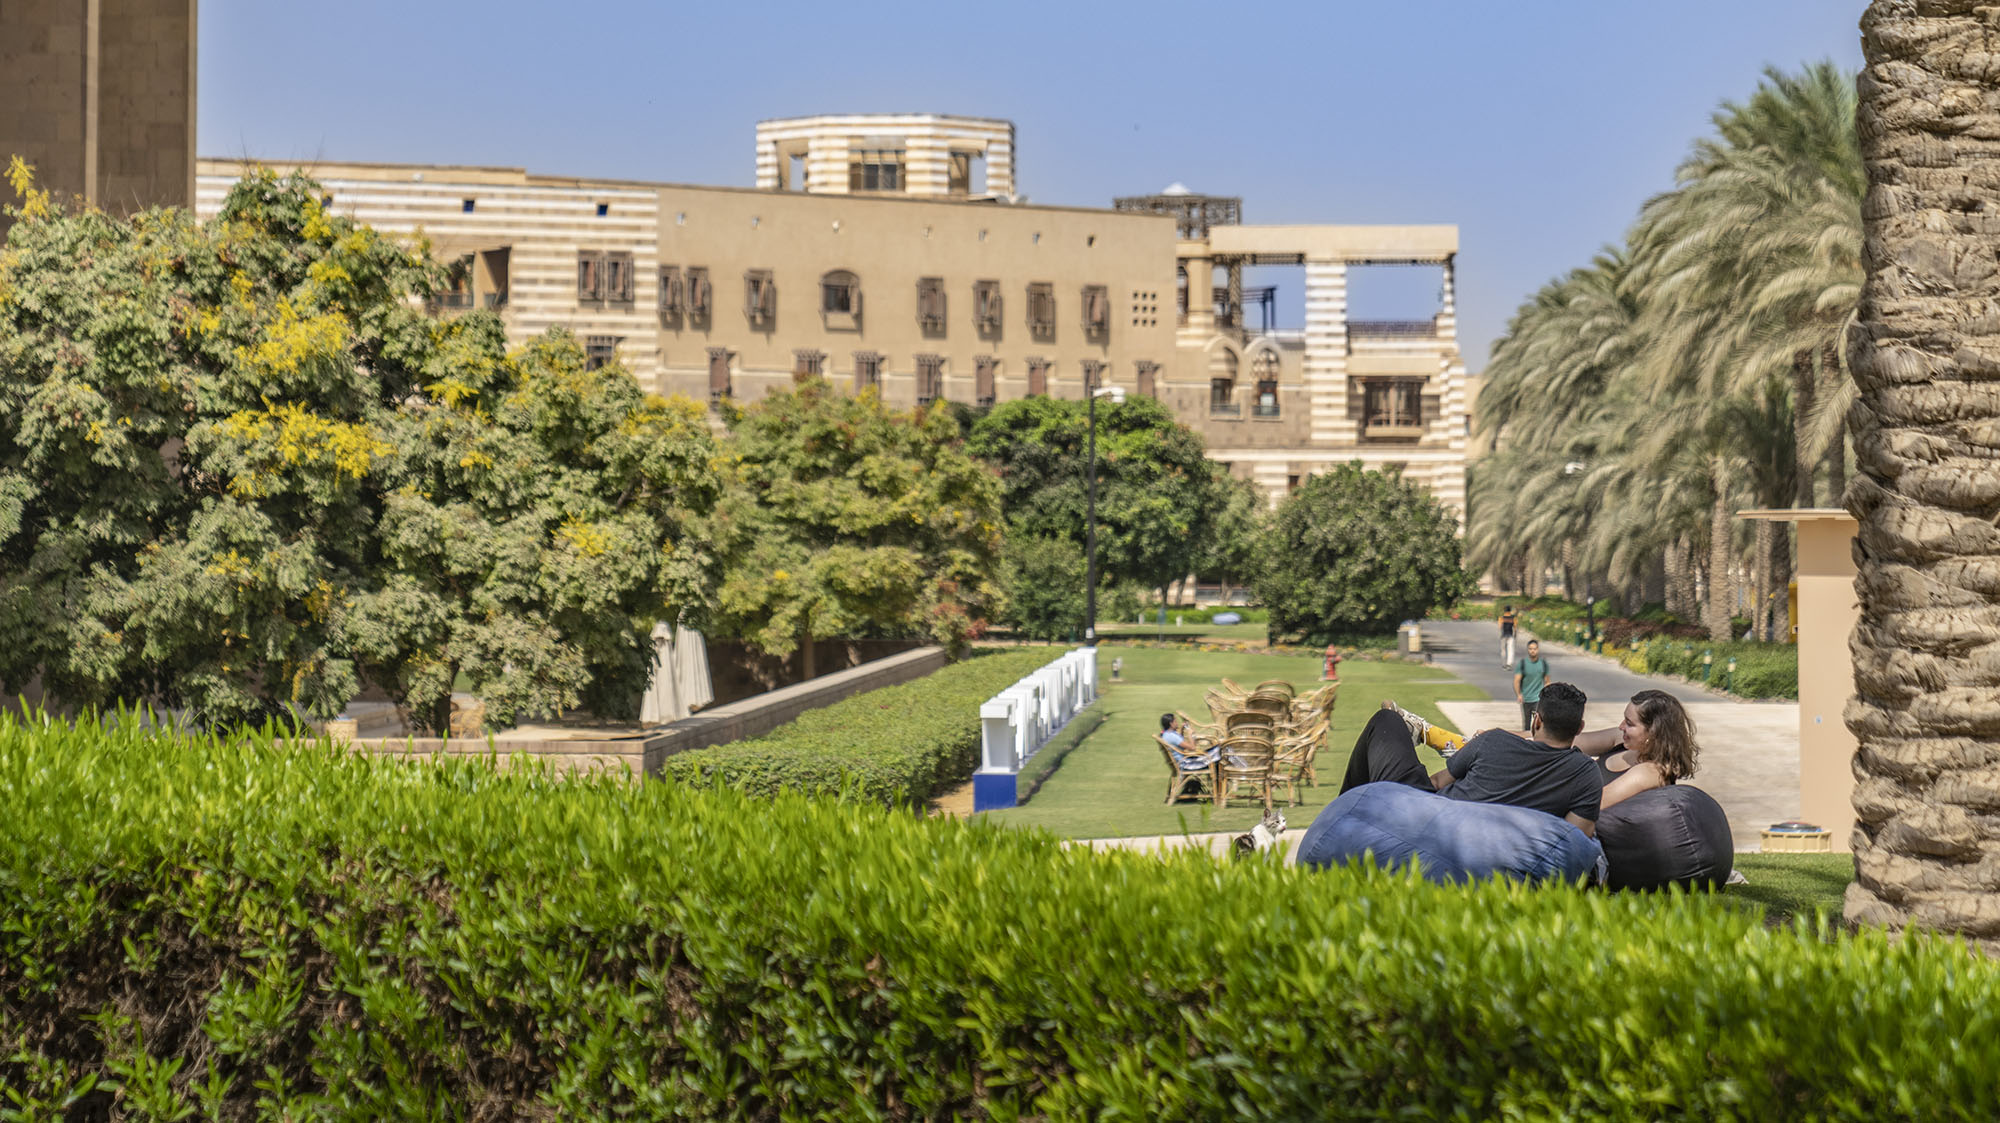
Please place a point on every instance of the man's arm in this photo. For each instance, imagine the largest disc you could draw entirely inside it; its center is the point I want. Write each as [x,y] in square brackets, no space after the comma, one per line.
[1517,683]
[1587,826]
[1442,779]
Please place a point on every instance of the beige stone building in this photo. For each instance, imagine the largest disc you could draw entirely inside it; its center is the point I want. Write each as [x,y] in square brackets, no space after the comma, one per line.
[925,283]
[99,96]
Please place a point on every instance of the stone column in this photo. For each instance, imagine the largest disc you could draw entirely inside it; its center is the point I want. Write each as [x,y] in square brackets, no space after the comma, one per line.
[1201,294]
[1236,293]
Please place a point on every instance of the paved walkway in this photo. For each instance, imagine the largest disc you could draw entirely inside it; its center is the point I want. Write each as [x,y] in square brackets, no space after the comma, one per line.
[1749,750]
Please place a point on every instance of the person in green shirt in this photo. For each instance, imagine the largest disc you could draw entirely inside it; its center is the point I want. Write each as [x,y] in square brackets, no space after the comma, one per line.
[1530,674]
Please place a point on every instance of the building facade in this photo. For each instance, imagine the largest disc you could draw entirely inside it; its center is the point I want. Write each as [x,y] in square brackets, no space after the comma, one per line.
[99,96]
[924,293]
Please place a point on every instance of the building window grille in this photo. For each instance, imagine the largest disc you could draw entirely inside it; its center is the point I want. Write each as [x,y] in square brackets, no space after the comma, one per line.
[1093,375]
[840,294]
[600,350]
[1041,310]
[876,169]
[808,363]
[670,290]
[699,294]
[617,276]
[1148,377]
[986,307]
[1096,311]
[1392,404]
[983,390]
[590,276]
[718,375]
[1222,398]
[930,378]
[867,370]
[760,298]
[1145,309]
[930,305]
[1265,369]
[1038,377]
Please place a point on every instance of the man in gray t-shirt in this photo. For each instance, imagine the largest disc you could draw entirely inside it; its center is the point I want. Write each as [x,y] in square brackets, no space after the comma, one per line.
[1546,773]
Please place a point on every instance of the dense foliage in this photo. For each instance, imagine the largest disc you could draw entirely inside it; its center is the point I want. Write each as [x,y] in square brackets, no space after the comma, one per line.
[1045,579]
[1157,491]
[843,517]
[1355,552]
[435,941]
[907,743]
[241,471]
[1638,402]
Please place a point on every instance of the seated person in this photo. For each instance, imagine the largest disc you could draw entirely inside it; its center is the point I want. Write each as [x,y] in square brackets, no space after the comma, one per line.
[1545,773]
[1189,758]
[1653,747]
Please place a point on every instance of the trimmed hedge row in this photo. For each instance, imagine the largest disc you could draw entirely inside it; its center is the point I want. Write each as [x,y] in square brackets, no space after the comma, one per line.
[236,931]
[912,742]
[1763,670]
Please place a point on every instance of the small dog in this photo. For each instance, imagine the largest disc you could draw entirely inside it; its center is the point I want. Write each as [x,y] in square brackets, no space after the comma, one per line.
[1263,836]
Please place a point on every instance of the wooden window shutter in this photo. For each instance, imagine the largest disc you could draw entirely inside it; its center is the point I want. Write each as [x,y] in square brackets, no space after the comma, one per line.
[625,277]
[1146,384]
[718,373]
[982,380]
[1038,377]
[670,289]
[767,298]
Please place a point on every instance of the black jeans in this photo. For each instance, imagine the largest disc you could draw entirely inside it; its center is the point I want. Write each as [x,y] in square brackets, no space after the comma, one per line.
[1385,751]
[1527,716]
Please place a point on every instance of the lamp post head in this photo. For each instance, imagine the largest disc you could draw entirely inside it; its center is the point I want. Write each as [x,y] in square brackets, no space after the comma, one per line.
[1115,393]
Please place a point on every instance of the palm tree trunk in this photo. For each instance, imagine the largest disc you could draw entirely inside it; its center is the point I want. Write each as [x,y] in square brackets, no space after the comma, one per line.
[1680,578]
[1924,713]
[1720,591]
[1760,609]
[1802,403]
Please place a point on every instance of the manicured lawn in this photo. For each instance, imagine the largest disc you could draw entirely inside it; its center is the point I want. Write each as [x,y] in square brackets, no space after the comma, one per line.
[1150,630]
[1113,784]
[1791,885]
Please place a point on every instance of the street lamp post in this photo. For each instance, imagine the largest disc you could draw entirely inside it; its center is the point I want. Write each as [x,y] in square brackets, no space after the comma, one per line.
[1117,395]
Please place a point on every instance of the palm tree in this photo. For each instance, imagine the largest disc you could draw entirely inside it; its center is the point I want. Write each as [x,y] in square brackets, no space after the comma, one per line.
[1925,489]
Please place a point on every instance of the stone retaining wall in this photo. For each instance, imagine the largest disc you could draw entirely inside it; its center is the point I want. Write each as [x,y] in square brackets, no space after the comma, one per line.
[641,753]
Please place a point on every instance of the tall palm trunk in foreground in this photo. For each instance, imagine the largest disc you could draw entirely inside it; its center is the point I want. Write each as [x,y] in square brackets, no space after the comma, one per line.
[1721,594]
[1925,357]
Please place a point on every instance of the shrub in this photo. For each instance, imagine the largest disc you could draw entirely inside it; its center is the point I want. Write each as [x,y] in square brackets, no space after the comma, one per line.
[913,742]
[237,930]
[1763,670]
[1355,552]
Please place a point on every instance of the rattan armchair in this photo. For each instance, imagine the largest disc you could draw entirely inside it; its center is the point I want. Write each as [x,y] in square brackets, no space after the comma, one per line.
[1179,779]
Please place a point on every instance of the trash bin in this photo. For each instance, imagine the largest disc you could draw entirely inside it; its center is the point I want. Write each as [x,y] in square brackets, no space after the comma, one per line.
[1410,637]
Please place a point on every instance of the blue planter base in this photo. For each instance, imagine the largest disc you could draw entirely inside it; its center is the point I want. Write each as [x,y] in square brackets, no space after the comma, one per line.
[994,790]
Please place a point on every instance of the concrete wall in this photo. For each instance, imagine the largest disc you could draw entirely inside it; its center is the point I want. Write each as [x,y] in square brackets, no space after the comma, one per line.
[99,95]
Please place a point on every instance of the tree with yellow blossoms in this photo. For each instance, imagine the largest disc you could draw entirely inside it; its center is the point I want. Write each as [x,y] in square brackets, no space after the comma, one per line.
[242,473]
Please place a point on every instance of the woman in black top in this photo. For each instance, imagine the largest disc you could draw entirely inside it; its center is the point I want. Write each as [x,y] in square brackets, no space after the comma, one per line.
[1653,747]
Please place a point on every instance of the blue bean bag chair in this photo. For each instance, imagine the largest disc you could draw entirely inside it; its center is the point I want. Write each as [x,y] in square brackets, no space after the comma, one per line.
[1452,841]
[1676,835]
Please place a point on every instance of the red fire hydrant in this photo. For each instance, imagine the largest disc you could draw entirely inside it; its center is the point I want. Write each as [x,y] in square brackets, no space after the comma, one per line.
[1332,673]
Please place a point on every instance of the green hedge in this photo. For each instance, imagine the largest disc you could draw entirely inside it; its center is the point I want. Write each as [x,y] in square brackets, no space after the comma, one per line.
[199,930]
[915,741]
[1763,670]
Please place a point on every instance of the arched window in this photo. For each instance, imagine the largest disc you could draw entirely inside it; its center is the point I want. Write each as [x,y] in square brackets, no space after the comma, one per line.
[1265,369]
[840,293]
[1222,385]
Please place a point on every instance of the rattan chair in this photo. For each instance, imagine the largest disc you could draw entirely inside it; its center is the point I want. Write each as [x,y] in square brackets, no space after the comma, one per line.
[1275,686]
[1244,720]
[1279,706]
[1180,779]
[1293,756]
[1248,762]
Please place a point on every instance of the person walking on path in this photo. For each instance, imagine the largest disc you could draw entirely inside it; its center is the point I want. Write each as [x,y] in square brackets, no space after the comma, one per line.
[1530,675]
[1508,618]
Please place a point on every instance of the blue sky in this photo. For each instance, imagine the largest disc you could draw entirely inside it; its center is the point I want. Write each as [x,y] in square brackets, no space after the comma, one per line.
[1538,126]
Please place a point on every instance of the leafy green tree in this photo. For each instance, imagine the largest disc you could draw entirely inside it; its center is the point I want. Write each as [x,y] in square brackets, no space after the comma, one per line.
[1353,552]
[1229,549]
[1044,586]
[843,517]
[241,472]
[1157,492]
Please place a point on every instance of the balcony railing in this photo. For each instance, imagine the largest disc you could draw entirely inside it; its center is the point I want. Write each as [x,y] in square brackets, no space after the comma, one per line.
[1392,329]
[496,300]
[1392,428]
[1224,409]
[453,301]
[1264,409]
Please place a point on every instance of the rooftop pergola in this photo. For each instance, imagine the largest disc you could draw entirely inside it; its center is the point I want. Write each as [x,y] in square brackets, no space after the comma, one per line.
[1193,213]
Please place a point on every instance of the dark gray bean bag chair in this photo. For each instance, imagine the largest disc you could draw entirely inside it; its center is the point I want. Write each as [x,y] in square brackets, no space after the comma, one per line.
[1676,835]
[1452,841]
